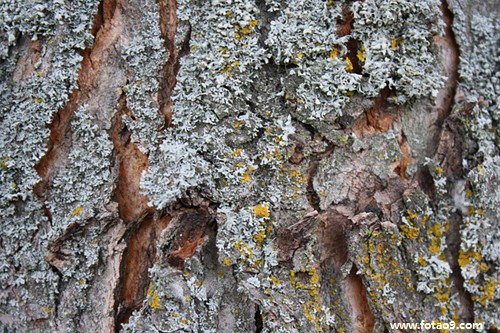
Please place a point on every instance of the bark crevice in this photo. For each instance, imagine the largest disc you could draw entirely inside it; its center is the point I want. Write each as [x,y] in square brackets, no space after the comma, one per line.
[363,320]
[168,27]
[59,143]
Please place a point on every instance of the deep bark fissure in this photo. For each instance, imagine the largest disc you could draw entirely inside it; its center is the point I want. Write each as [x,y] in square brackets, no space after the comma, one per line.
[312,195]
[344,28]
[59,143]
[451,61]
[132,204]
[363,320]
[168,28]
[59,289]
[139,256]
[447,149]
[453,246]
[259,321]
[454,58]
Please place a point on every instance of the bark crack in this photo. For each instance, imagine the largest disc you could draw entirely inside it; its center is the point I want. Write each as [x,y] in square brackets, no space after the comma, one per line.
[59,142]
[450,54]
[131,162]
[344,28]
[259,322]
[168,28]
[363,320]
[312,195]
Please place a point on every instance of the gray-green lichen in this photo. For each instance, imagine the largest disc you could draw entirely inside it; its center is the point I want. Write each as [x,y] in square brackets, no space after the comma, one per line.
[26,107]
[245,163]
[144,55]
[397,44]
[477,30]
[256,110]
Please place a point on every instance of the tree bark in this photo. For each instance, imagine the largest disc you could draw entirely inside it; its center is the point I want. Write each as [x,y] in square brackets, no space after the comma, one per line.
[249,166]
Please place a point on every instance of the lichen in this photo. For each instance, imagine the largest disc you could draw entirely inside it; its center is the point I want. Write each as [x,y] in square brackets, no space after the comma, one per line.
[400,56]
[477,36]
[26,108]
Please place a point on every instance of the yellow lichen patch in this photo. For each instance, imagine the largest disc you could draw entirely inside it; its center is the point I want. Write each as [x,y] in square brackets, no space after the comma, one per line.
[483,267]
[275,280]
[436,230]
[314,276]
[411,214]
[261,210]
[227,261]
[237,152]
[464,257]
[245,177]
[77,211]
[46,310]
[293,278]
[155,301]
[348,67]
[260,236]
[230,66]
[294,173]
[3,164]
[245,30]
[82,281]
[238,123]
[409,232]
[442,297]
[489,291]
[439,170]
[435,247]
[394,43]
[334,53]
[361,54]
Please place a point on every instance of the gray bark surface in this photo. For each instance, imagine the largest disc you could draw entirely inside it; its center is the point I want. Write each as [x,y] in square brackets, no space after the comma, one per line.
[248,166]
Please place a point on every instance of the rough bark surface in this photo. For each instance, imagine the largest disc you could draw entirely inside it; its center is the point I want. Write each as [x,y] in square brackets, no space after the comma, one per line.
[248,166]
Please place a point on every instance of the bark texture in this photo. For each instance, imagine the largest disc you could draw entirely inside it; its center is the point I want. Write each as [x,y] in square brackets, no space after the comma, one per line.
[248,166]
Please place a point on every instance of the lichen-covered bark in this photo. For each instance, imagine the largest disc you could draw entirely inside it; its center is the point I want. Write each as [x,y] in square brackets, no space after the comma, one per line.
[248,166]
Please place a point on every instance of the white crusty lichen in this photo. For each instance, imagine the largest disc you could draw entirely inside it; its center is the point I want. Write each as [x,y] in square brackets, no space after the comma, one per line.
[397,46]
[26,108]
[177,167]
[304,36]
[145,55]
[233,137]
[477,34]
[245,238]
[72,197]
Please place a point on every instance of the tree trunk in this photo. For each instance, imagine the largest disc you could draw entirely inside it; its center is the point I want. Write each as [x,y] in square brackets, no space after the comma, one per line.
[249,166]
